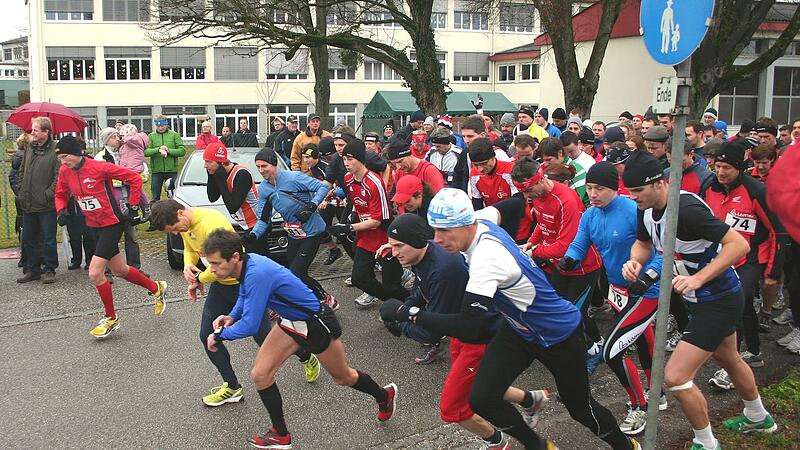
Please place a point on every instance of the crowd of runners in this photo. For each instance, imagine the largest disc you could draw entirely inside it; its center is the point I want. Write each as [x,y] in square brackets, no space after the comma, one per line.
[504,239]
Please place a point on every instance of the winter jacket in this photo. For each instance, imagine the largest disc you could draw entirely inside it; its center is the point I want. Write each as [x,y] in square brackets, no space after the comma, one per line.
[175,149]
[37,177]
[696,179]
[302,139]
[283,144]
[203,140]
[131,152]
[13,174]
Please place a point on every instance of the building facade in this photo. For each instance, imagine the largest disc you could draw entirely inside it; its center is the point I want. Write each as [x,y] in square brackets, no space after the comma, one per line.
[13,72]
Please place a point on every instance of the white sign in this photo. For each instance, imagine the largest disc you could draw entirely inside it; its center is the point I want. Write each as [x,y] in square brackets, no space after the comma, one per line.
[664,95]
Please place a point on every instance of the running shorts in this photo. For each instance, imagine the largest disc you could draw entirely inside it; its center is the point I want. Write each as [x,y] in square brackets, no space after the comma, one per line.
[711,322]
[107,240]
[315,333]
[464,361]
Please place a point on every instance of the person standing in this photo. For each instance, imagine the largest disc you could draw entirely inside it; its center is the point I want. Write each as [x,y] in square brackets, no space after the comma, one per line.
[37,178]
[284,141]
[450,160]
[206,136]
[277,126]
[312,134]
[164,150]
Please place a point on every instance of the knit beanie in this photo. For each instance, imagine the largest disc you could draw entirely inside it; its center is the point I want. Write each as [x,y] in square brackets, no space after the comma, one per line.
[507,119]
[545,113]
[106,133]
[604,174]
[733,153]
[356,149]
[560,114]
[642,169]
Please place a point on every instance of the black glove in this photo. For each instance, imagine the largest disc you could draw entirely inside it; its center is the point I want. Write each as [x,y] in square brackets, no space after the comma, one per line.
[340,229]
[567,264]
[304,215]
[249,239]
[394,327]
[643,282]
[542,263]
[62,217]
[393,310]
[133,212]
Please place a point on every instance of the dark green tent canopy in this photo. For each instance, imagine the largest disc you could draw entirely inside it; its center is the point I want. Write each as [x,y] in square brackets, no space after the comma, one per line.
[388,104]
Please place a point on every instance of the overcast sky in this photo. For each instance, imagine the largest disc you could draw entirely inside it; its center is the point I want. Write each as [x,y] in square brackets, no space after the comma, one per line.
[13,19]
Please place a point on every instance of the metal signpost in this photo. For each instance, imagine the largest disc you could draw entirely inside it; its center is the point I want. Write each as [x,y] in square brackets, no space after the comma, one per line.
[672,30]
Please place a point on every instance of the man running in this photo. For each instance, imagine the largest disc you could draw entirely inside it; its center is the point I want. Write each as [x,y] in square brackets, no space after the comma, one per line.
[194,226]
[305,322]
[90,182]
[710,287]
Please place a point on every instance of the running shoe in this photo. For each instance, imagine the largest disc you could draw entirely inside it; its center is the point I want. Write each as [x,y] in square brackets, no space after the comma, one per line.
[386,409]
[550,445]
[634,422]
[786,340]
[635,444]
[430,353]
[593,361]
[312,368]
[784,318]
[763,322]
[331,302]
[333,255]
[696,445]
[223,394]
[744,425]
[160,298]
[348,281]
[365,301]
[780,299]
[272,440]
[673,340]
[794,346]
[105,327]
[753,360]
[672,324]
[407,280]
[662,401]
[722,380]
[504,444]
[540,399]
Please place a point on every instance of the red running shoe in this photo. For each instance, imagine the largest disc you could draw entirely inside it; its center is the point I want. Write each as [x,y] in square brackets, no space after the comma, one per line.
[271,440]
[386,409]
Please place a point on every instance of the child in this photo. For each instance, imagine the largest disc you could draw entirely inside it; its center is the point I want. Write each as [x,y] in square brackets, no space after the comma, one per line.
[131,156]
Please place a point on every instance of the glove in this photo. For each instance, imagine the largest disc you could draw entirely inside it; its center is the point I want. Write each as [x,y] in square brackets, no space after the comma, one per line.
[393,310]
[304,215]
[542,263]
[62,217]
[133,212]
[249,239]
[643,282]
[567,264]
[394,327]
[340,229]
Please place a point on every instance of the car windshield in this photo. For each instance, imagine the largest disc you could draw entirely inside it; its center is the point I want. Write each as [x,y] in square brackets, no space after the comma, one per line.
[195,174]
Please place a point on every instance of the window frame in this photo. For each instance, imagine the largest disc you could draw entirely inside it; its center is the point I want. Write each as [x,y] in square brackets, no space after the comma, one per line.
[143,15]
[482,24]
[221,119]
[532,65]
[383,68]
[510,73]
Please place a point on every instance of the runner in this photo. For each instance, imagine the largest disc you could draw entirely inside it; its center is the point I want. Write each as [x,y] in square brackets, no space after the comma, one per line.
[194,226]
[90,182]
[305,323]
[712,290]
[331,206]
[539,324]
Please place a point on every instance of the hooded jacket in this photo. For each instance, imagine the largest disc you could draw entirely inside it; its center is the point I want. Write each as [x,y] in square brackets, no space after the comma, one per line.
[37,177]
[175,149]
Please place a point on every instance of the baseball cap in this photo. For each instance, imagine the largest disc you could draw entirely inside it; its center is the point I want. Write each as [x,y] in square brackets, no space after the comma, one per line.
[406,187]
[451,208]
[312,116]
[311,150]
[292,119]
[216,152]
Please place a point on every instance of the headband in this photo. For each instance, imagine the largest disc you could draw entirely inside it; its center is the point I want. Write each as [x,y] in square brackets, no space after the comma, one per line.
[529,183]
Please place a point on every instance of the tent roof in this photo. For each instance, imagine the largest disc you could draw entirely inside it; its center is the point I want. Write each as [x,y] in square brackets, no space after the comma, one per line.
[388,104]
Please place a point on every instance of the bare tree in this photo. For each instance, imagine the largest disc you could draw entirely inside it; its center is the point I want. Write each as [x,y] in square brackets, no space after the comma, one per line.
[735,23]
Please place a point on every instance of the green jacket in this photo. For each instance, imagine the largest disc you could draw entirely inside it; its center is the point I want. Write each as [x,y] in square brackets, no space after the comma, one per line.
[175,149]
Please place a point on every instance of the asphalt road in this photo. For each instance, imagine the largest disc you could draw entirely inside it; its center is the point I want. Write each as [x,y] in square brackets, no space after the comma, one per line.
[141,387]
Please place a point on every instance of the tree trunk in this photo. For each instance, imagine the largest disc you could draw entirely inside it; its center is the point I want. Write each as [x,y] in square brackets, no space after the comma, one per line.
[426,78]
[322,84]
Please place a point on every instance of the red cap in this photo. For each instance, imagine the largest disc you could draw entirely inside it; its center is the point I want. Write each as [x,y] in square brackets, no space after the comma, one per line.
[216,152]
[405,188]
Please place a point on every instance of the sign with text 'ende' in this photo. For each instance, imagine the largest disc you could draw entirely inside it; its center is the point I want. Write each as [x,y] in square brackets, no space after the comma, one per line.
[673,29]
[664,95]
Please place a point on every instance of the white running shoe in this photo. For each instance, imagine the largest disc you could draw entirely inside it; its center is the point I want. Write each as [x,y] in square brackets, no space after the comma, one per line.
[786,340]
[785,318]
[794,346]
[722,380]
[365,301]
[634,422]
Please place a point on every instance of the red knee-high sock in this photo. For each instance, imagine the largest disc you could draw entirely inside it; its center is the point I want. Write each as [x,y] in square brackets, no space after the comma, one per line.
[636,382]
[136,277]
[107,298]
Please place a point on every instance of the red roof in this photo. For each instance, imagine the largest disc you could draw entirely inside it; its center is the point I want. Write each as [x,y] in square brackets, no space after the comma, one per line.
[518,55]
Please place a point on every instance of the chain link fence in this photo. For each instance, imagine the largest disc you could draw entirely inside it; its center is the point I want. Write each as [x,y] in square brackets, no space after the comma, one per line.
[8,218]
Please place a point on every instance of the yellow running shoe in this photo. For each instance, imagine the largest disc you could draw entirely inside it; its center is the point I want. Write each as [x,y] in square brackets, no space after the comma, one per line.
[223,394]
[312,368]
[105,327]
[160,295]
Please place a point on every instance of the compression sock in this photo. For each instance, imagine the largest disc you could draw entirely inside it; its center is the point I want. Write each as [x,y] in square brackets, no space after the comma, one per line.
[233,383]
[494,439]
[271,397]
[705,437]
[754,410]
[106,296]
[527,400]
[136,277]
[367,385]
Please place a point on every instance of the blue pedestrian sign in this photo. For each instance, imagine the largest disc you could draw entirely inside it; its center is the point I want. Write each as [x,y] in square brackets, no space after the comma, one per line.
[673,29]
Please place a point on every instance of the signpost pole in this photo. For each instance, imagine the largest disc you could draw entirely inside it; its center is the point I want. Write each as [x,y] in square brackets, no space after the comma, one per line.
[673,201]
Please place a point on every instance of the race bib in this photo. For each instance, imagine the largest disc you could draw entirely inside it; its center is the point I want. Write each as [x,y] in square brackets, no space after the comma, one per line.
[298,327]
[89,204]
[746,225]
[618,297]
[294,230]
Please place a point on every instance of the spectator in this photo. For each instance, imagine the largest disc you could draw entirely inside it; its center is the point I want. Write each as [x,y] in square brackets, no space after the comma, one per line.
[767,131]
[428,125]
[277,126]
[507,128]
[131,156]
[785,136]
[709,132]
[23,141]
[710,116]
[227,137]
[206,136]
[575,125]
[415,123]
[37,177]
[694,136]
[244,137]
[284,141]
[635,143]
[388,132]
[696,178]
[312,134]
[164,150]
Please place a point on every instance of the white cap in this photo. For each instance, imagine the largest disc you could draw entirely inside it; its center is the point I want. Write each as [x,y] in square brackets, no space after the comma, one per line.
[451,208]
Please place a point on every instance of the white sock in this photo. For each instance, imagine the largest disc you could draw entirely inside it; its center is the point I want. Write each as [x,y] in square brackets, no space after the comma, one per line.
[705,437]
[754,410]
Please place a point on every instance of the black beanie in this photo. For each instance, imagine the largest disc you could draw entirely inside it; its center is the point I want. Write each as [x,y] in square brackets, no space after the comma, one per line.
[559,113]
[480,150]
[356,149]
[604,174]
[326,146]
[68,145]
[642,169]
[268,155]
[411,229]
[733,153]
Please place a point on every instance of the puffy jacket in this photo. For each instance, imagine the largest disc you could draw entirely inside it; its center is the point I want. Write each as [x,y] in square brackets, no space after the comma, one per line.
[300,141]
[90,184]
[37,177]
[131,152]
[175,149]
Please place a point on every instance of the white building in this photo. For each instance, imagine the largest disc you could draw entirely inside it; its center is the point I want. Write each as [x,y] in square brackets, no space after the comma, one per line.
[13,71]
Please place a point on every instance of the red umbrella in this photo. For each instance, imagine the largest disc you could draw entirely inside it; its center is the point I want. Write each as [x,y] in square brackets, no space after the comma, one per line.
[63,118]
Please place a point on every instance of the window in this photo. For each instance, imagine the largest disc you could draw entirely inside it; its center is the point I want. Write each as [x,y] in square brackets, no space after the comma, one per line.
[7,54]
[337,70]
[70,63]
[240,63]
[344,114]
[2,97]
[739,103]
[792,49]
[185,120]
[517,17]
[383,15]
[230,115]
[508,73]
[127,63]
[440,56]
[8,73]
[439,15]
[378,71]
[284,111]
[786,94]
[224,11]
[89,114]
[183,63]
[467,20]
[68,9]
[22,73]
[168,10]
[284,16]
[126,10]
[341,13]
[142,117]
[471,66]
[280,69]
[530,71]
[18,53]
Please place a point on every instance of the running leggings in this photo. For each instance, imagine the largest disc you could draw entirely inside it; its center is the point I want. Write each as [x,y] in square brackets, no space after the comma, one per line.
[632,325]
[747,327]
[508,355]
[578,289]
[300,254]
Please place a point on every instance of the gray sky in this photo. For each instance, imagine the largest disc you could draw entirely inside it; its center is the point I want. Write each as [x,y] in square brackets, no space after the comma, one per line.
[13,19]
